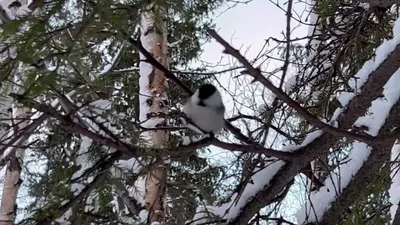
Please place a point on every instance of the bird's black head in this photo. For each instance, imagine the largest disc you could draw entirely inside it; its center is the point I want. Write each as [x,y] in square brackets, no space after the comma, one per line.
[206,90]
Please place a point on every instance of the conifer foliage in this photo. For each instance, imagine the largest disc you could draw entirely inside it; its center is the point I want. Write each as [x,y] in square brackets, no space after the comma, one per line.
[91,125]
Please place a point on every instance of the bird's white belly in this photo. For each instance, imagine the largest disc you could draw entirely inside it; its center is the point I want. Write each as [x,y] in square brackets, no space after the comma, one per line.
[207,119]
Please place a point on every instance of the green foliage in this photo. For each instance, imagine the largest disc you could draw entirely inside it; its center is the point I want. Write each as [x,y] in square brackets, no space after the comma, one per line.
[84,53]
[36,84]
[372,207]
[193,181]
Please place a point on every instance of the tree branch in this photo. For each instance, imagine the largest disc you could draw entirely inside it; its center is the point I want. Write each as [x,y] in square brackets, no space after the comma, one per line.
[133,151]
[367,174]
[357,107]
[381,3]
[235,131]
[256,74]
[287,55]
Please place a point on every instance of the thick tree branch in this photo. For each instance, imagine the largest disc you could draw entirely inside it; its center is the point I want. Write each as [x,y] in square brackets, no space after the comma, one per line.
[357,107]
[133,151]
[367,174]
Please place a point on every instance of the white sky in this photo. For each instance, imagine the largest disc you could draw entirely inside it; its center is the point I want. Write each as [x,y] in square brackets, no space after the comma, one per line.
[250,25]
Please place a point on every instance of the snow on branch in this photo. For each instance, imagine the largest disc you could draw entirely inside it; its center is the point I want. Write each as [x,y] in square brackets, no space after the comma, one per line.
[372,77]
[260,179]
[358,163]
[86,122]
[110,67]
[91,117]
[380,3]
[62,214]
[229,210]
[394,190]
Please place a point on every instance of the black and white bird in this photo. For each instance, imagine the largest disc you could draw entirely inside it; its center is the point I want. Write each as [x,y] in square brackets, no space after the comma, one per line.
[206,109]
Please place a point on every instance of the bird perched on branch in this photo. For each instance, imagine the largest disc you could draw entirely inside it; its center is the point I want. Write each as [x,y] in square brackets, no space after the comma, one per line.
[206,110]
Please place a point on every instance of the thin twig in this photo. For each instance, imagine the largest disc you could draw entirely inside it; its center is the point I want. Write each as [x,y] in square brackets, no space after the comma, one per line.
[256,74]
[287,57]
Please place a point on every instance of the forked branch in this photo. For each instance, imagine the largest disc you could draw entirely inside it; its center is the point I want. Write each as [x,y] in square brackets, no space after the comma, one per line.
[256,74]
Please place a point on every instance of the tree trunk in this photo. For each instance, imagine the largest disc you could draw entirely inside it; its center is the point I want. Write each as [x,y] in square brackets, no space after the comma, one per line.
[16,121]
[154,100]
[12,183]
[7,213]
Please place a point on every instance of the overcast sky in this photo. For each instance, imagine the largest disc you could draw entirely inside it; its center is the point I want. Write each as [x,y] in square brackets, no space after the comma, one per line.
[250,25]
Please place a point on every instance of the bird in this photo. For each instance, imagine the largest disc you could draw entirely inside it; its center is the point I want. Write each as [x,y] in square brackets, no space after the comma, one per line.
[206,109]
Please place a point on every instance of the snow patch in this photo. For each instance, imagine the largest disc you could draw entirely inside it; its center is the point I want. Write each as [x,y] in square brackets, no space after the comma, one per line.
[380,108]
[319,201]
[377,114]
[63,220]
[309,138]
[394,190]
[231,209]
[382,52]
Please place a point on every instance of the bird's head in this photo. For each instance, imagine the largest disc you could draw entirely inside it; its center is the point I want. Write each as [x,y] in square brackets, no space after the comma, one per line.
[209,94]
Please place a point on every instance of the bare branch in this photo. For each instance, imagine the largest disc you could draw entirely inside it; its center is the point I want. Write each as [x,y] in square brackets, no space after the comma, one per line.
[287,55]
[284,97]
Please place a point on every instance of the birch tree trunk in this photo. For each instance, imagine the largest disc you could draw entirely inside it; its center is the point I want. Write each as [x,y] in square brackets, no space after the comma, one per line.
[154,100]
[13,181]
[7,204]
[16,121]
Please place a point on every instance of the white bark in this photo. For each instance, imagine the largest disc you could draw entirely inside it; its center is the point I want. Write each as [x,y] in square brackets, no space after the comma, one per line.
[153,100]
[17,120]
[12,183]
